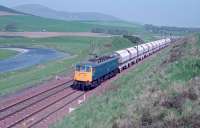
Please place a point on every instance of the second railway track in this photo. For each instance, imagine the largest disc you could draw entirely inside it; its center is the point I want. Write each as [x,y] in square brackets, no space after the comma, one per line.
[17,112]
[29,95]
[27,103]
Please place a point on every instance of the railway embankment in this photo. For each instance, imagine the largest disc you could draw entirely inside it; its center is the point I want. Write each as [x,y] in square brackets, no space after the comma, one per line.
[163,91]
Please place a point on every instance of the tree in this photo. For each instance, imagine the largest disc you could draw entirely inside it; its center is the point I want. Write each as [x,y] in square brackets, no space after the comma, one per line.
[134,39]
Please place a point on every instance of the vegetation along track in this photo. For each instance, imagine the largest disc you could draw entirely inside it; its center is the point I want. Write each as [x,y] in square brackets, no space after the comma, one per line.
[45,102]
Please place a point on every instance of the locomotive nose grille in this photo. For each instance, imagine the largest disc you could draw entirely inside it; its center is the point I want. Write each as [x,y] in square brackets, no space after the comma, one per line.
[83,76]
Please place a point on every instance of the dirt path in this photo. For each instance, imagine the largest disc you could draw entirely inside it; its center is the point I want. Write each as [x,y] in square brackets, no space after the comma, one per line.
[51,34]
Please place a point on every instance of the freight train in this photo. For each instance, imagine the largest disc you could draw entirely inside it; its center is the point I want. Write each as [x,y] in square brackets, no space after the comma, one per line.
[92,73]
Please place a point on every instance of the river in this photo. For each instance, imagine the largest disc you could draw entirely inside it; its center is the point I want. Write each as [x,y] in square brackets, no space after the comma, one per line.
[28,57]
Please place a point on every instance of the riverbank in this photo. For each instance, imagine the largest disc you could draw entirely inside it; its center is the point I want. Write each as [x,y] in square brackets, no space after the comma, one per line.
[29,57]
[20,50]
[6,53]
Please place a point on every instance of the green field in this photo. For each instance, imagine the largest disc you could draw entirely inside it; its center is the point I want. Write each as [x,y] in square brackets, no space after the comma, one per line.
[162,92]
[4,54]
[78,47]
[115,23]
[135,28]
[32,23]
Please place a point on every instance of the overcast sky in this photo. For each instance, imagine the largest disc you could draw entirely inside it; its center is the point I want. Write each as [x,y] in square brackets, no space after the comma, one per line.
[159,12]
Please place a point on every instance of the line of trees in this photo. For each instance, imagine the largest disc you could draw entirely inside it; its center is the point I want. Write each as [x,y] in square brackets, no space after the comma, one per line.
[12,27]
[165,30]
[134,39]
[112,31]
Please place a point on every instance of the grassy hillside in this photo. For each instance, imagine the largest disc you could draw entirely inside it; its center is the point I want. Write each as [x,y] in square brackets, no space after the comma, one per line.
[132,27]
[162,92]
[33,23]
[78,47]
[4,54]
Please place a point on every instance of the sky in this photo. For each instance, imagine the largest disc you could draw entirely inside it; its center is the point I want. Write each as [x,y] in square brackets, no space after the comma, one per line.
[181,13]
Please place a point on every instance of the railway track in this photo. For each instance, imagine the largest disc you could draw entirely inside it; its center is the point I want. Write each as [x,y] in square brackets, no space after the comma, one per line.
[38,107]
[30,94]
[18,106]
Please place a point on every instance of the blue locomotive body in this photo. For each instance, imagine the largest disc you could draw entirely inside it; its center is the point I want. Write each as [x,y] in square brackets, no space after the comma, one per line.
[104,68]
[90,74]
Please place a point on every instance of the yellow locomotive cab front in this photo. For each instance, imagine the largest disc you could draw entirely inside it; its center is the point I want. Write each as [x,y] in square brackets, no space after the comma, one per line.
[83,74]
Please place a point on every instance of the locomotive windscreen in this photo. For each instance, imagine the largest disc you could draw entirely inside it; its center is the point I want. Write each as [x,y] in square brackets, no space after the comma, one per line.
[83,68]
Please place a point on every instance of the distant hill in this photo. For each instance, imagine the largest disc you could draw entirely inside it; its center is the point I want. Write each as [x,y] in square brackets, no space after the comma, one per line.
[29,23]
[42,11]
[8,10]
[13,21]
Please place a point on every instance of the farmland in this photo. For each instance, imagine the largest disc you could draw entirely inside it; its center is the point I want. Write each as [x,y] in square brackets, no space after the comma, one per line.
[33,23]
[29,23]
[162,92]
